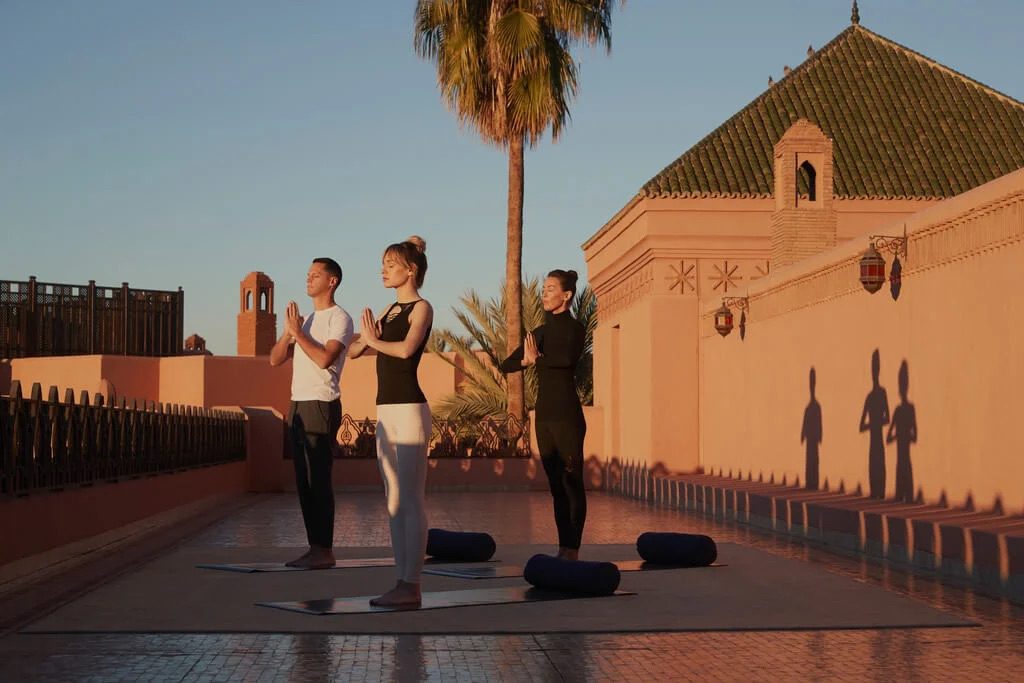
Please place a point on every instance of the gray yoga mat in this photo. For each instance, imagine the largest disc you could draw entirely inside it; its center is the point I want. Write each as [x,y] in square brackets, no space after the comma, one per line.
[351,563]
[437,600]
[756,591]
[508,571]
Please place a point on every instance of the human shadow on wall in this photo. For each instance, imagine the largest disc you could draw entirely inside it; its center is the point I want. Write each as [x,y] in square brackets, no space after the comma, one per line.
[903,430]
[810,434]
[873,419]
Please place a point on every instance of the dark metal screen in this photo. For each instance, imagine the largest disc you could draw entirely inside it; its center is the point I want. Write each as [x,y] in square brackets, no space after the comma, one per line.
[52,444]
[506,437]
[49,319]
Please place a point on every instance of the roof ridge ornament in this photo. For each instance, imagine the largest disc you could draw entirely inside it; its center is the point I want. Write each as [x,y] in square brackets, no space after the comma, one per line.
[855,14]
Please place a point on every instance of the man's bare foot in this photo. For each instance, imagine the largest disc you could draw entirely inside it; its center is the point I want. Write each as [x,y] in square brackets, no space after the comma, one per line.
[299,561]
[315,558]
[403,595]
[320,558]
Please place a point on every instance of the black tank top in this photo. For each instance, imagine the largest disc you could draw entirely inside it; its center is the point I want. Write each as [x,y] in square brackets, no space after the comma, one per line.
[396,377]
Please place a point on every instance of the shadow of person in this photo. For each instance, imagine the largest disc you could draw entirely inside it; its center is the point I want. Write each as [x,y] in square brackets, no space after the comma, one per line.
[810,434]
[903,431]
[873,419]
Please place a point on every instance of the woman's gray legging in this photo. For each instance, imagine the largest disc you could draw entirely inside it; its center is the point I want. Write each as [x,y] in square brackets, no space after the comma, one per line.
[403,436]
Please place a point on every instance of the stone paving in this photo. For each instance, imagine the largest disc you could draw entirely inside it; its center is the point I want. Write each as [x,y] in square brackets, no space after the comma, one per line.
[992,652]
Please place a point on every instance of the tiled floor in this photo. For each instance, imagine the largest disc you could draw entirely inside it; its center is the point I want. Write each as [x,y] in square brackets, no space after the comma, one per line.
[993,652]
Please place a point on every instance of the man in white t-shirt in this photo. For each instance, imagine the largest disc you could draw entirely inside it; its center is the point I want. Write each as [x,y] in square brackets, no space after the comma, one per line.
[317,344]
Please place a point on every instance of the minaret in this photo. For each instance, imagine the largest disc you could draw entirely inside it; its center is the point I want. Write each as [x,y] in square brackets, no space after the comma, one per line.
[804,220]
[257,324]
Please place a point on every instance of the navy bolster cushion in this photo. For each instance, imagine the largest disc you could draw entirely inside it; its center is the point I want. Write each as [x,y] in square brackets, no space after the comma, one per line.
[572,576]
[683,550]
[460,546]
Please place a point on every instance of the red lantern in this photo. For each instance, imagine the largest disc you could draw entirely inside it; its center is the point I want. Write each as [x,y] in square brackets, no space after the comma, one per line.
[872,270]
[723,320]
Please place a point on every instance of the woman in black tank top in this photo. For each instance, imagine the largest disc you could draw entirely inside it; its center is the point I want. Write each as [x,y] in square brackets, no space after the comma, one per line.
[399,337]
[554,349]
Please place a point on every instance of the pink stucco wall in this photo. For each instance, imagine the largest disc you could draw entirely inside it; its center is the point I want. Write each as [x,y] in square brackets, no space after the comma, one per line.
[653,267]
[42,521]
[955,325]
[206,381]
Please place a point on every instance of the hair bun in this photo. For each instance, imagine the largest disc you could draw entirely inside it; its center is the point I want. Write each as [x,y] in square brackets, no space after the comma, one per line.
[418,242]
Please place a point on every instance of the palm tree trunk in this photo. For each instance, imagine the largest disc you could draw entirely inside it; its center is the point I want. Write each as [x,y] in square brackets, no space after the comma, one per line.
[514,272]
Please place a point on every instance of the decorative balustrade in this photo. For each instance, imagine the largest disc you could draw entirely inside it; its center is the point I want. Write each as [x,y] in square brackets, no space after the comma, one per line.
[48,444]
[504,437]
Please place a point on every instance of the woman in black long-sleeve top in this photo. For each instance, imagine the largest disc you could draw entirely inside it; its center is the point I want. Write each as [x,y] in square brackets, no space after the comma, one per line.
[555,348]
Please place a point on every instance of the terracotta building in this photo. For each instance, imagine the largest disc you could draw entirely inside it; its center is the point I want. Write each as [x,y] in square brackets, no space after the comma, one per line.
[257,322]
[194,344]
[863,134]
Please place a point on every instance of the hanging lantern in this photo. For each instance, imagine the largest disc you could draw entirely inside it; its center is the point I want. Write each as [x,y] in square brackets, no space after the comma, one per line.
[723,320]
[872,269]
[896,278]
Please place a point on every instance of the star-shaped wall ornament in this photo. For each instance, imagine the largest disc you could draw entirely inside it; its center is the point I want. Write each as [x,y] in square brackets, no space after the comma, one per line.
[725,277]
[761,272]
[683,277]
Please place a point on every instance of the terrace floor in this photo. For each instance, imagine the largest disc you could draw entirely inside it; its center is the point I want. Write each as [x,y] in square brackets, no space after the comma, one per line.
[269,526]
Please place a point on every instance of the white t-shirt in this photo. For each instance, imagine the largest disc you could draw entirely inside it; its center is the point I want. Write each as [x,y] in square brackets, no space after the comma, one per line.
[310,382]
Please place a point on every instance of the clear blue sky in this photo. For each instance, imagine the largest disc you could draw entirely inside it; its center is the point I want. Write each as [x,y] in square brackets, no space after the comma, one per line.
[191,142]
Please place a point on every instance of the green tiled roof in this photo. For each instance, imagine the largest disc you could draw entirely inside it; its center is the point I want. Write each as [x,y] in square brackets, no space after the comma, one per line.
[901,124]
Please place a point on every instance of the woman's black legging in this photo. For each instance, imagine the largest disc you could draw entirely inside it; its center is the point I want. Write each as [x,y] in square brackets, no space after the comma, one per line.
[561,450]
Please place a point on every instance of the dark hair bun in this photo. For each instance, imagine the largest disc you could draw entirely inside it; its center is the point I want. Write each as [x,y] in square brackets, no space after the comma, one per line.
[418,242]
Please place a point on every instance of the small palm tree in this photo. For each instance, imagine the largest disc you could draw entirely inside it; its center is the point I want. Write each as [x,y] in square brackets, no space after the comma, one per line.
[484,345]
[505,68]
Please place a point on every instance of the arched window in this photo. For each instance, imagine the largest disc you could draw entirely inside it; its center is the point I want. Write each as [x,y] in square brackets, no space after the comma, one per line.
[248,299]
[263,300]
[806,182]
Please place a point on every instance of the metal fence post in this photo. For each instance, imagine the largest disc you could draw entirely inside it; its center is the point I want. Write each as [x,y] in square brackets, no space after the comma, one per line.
[91,314]
[31,326]
[124,318]
[179,335]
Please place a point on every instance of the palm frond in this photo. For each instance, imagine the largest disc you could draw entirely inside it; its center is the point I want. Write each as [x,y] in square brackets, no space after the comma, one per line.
[478,353]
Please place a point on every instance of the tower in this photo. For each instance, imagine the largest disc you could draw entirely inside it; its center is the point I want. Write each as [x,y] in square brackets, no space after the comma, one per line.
[257,324]
[804,220]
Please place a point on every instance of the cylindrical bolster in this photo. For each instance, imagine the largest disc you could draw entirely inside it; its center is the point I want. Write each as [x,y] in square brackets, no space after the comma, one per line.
[574,576]
[682,550]
[460,546]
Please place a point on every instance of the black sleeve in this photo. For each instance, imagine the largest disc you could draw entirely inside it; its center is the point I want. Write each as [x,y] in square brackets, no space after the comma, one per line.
[563,352]
[513,363]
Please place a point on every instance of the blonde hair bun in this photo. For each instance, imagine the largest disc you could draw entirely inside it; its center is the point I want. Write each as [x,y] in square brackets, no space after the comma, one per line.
[418,242]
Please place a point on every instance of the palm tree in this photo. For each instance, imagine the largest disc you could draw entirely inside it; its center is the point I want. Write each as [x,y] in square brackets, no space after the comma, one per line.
[504,67]
[484,345]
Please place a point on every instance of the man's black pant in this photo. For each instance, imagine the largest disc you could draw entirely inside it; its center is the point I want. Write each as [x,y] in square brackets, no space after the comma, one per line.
[312,429]
[561,451]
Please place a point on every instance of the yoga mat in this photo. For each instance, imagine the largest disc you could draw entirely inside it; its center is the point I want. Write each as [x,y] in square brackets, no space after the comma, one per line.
[256,567]
[354,563]
[756,591]
[437,600]
[512,571]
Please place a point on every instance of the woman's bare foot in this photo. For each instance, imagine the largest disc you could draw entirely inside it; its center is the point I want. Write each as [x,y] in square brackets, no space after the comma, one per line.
[404,594]
[299,561]
[568,554]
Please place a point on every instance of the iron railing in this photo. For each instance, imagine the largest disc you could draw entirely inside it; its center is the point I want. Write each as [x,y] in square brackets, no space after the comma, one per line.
[504,437]
[49,319]
[51,444]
